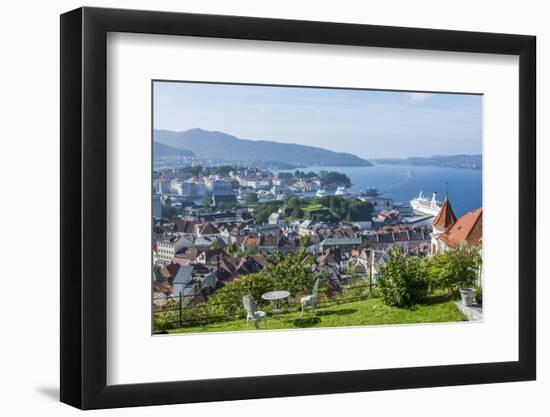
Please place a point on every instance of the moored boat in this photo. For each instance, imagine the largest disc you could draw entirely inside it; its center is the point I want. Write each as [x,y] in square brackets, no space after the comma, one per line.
[424,205]
[341,191]
[321,192]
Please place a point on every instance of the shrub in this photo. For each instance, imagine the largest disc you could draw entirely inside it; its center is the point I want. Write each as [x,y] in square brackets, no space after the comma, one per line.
[455,268]
[227,301]
[288,273]
[403,282]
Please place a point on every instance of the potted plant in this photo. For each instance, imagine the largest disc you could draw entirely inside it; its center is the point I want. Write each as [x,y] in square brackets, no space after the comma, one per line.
[467,280]
[456,269]
[467,296]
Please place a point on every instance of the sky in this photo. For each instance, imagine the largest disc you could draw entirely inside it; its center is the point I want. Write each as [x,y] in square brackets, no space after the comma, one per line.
[367,123]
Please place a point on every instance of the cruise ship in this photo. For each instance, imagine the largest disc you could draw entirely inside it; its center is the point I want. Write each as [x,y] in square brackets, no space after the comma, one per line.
[424,205]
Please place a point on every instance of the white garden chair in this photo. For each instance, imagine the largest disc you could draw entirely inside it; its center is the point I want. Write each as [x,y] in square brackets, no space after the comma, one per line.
[311,299]
[252,313]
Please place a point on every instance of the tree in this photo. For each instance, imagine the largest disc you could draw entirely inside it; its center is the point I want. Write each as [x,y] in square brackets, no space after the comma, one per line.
[193,170]
[207,201]
[359,211]
[263,211]
[224,170]
[297,213]
[293,202]
[251,198]
[168,212]
[403,282]
[455,268]
[292,273]
[305,241]
[289,272]
[335,179]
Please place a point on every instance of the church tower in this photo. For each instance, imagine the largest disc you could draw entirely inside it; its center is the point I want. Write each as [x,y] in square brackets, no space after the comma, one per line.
[445,218]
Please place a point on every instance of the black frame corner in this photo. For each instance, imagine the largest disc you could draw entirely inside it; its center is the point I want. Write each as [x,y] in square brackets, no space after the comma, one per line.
[84,207]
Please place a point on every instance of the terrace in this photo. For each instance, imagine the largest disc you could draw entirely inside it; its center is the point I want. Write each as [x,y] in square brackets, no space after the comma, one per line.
[351,306]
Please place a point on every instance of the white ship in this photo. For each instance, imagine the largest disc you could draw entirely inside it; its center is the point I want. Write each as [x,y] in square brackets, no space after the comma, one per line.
[341,191]
[321,192]
[424,205]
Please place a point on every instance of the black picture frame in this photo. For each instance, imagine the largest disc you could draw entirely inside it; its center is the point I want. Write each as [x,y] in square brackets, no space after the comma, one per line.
[84,207]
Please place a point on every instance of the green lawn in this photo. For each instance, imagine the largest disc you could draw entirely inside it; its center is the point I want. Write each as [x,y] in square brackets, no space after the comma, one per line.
[313,207]
[358,313]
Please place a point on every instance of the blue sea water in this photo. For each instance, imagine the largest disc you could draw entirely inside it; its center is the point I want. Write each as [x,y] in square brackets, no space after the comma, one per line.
[402,183]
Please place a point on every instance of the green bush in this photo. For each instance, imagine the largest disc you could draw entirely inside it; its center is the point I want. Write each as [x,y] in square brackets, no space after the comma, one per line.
[227,301]
[164,320]
[403,282]
[454,269]
[290,273]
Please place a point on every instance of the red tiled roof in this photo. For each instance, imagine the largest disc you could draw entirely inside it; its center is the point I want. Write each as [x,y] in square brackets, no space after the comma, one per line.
[191,254]
[327,258]
[259,258]
[250,240]
[185,226]
[469,228]
[446,217]
[270,240]
[209,229]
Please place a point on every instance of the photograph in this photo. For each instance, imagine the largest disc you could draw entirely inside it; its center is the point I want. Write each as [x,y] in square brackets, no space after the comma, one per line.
[293,207]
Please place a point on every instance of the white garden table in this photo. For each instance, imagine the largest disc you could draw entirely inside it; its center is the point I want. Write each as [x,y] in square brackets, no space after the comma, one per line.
[276,297]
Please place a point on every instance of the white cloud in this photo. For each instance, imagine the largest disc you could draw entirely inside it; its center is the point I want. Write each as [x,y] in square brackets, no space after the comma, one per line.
[419,97]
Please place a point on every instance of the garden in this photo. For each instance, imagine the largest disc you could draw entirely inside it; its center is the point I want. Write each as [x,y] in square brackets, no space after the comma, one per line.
[409,289]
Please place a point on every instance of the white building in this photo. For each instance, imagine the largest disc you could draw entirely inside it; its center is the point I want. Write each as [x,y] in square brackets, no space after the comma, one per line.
[190,189]
[379,203]
[167,248]
[277,218]
[305,228]
[259,184]
[161,186]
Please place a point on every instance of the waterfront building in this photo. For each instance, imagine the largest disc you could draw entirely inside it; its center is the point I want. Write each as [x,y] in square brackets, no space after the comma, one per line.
[259,184]
[221,187]
[161,186]
[190,189]
[379,203]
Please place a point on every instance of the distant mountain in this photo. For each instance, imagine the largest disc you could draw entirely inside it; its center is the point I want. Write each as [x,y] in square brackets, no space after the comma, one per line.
[219,145]
[160,149]
[446,161]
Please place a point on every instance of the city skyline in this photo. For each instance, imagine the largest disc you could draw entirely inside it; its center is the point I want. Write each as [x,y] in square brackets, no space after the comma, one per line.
[368,123]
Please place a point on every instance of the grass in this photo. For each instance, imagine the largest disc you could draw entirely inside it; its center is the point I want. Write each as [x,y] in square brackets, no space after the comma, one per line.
[358,313]
[313,207]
